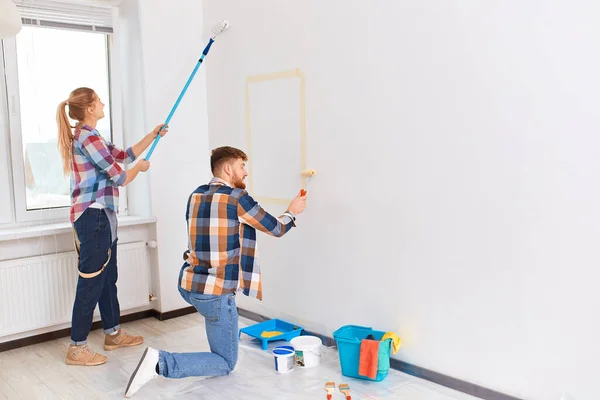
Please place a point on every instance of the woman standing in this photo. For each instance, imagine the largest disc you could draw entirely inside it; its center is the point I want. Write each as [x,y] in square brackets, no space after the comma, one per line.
[91,162]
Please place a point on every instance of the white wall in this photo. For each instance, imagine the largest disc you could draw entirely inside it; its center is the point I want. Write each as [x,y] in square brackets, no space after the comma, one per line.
[128,59]
[456,198]
[170,43]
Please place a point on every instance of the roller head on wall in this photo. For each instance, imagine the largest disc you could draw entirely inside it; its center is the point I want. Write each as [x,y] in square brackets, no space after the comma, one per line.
[220,27]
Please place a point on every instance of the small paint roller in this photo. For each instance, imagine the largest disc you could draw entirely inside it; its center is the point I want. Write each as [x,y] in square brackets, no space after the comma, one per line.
[308,173]
[217,29]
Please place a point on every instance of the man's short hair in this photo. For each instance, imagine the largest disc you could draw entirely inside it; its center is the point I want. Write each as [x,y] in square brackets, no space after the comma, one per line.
[224,154]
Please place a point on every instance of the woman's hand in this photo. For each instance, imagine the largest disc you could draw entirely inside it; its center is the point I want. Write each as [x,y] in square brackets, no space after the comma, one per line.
[143,165]
[147,140]
[158,130]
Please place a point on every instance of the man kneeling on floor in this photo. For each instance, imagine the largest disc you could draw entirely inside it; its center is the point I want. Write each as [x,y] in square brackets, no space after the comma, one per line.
[222,221]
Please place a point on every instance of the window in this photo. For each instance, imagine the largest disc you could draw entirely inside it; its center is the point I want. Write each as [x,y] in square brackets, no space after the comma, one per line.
[54,53]
[44,80]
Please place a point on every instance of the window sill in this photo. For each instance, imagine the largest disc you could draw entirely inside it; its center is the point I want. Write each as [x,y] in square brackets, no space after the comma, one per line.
[23,232]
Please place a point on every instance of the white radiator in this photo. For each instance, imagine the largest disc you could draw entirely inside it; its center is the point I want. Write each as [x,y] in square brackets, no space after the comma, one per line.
[38,292]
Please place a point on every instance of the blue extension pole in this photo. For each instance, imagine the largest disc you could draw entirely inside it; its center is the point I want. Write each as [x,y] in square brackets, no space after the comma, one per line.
[204,53]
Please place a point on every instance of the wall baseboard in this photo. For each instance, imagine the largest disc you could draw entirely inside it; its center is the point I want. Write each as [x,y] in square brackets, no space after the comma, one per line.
[410,369]
[66,332]
[180,312]
[449,382]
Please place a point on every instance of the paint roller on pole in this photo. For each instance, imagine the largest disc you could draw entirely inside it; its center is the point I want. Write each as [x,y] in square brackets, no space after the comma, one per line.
[217,30]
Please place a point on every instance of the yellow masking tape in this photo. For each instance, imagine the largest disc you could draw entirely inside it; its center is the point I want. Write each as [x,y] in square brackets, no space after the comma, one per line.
[294,73]
[272,200]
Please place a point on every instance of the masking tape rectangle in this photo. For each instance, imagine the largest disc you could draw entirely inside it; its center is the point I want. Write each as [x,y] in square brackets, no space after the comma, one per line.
[287,74]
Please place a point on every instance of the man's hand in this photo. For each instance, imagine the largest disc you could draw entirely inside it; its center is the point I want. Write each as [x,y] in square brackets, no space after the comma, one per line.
[298,204]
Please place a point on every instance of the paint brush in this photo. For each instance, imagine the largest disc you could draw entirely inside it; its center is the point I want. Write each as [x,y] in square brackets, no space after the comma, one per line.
[345,388]
[329,389]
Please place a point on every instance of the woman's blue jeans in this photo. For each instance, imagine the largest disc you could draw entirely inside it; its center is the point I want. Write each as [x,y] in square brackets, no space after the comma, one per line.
[97,253]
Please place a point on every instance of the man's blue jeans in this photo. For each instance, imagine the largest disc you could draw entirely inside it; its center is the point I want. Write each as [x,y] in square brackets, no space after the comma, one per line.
[221,320]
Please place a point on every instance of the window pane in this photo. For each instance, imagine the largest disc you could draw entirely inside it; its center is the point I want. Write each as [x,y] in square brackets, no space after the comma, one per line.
[51,63]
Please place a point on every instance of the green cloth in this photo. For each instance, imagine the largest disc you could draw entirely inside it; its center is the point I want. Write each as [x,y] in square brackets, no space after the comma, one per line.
[383,362]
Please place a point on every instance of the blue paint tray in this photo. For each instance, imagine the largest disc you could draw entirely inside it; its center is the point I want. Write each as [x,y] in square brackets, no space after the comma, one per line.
[289,331]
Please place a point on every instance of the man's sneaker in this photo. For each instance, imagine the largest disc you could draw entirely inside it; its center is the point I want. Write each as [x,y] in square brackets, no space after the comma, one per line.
[83,355]
[121,339]
[144,372]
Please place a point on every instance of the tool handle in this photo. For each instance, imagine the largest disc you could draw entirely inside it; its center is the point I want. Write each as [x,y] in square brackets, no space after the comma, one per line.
[329,396]
[181,94]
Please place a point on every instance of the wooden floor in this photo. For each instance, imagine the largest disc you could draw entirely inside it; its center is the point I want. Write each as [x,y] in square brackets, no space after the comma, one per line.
[39,372]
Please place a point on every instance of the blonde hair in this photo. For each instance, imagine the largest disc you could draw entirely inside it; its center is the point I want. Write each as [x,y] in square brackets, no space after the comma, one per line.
[79,101]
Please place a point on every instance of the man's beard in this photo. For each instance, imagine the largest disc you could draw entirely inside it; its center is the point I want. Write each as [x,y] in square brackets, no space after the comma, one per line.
[238,183]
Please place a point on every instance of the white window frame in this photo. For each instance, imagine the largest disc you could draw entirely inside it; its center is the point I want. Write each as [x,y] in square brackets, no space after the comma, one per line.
[116,111]
[6,196]
[10,91]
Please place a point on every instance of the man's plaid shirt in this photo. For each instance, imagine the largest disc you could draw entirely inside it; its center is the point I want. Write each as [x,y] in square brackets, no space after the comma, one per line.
[222,223]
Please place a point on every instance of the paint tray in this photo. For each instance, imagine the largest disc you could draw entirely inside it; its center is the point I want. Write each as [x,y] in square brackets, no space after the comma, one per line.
[288,330]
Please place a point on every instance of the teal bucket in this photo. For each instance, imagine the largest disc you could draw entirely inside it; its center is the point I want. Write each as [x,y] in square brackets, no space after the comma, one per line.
[348,340]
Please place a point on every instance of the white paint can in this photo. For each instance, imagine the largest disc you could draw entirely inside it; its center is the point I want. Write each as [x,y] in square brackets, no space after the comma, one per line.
[284,359]
[308,351]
